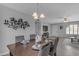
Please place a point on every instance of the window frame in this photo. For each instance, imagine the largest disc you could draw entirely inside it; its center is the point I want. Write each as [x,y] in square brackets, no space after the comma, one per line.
[73,29]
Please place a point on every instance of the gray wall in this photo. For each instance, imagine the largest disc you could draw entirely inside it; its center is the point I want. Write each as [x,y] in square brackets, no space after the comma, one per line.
[7,35]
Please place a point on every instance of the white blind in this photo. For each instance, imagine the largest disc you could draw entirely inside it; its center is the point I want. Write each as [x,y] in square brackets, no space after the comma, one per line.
[72,29]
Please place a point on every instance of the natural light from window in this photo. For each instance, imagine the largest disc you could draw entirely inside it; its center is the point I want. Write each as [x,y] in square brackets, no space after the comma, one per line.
[72,29]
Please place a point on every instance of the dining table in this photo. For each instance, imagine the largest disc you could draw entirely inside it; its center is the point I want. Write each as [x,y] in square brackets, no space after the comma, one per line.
[17,49]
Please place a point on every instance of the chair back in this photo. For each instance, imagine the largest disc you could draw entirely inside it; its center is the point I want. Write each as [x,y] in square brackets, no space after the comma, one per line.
[32,37]
[19,38]
[44,51]
[54,47]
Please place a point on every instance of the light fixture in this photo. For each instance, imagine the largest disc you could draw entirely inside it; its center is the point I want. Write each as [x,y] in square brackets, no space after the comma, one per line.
[42,16]
[36,15]
[65,19]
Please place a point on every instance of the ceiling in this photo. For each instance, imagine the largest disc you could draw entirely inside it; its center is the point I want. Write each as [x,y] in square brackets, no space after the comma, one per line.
[54,12]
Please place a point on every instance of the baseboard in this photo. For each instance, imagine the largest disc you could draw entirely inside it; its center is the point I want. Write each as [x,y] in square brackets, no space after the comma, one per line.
[2,54]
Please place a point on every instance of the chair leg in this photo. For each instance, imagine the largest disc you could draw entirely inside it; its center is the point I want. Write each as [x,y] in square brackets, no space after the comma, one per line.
[55,54]
[11,54]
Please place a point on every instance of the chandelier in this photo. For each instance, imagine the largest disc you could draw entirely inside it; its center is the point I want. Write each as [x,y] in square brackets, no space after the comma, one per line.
[36,15]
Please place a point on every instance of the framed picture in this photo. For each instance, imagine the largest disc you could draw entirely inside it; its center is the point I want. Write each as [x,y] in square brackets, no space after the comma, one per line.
[61,27]
[45,28]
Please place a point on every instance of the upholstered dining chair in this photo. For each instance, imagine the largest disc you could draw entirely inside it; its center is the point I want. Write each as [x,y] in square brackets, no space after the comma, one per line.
[44,50]
[54,47]
[19,38]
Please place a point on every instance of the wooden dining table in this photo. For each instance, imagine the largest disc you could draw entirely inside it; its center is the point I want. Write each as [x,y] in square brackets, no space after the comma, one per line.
[18,49]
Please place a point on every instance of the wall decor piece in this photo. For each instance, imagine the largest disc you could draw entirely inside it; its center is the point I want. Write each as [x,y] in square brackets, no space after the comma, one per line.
[15,24]
[45,28]
[61,27]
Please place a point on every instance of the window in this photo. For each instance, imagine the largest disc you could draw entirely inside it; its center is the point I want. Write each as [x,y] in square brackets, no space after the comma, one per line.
[67,30]
[75,29]
[72,29]
[78,30]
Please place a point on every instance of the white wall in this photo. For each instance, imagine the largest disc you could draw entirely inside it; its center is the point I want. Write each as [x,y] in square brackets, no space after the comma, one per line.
[7,35]
[56,28]
[50,26]
[56,31]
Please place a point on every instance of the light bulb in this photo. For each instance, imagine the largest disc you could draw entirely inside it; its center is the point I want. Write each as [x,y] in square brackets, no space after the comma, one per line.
[34,14]
[35,17]
[42,16]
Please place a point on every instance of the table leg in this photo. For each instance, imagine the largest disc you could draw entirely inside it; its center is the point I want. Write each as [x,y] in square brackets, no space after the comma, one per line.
[54,54]
[71,39]
[11,54]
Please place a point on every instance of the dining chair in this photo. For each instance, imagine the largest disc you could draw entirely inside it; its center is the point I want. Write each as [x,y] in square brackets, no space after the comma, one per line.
[54,47]
[19,38]
[32,37]
[44,50]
